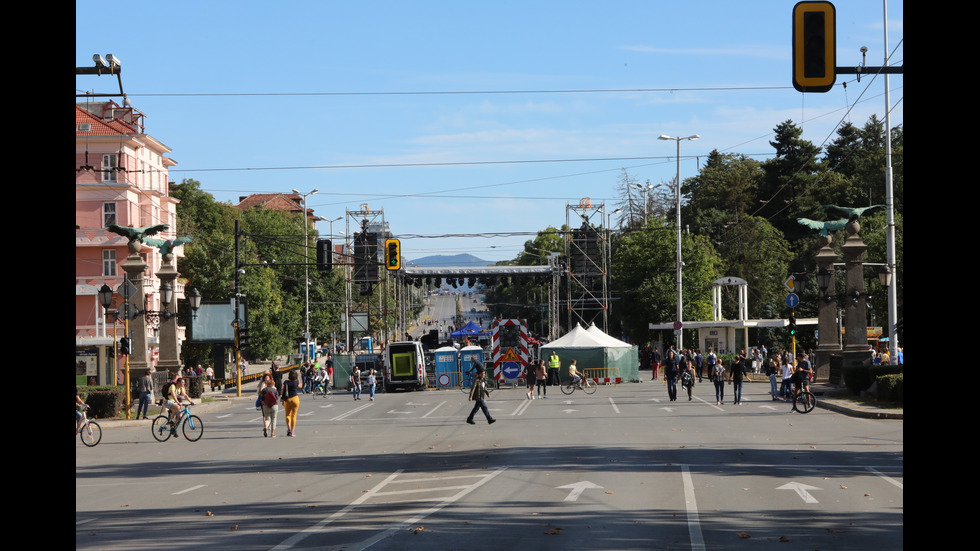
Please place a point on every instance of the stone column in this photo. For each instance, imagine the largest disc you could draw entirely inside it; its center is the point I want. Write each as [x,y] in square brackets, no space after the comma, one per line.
[134,267]
[856,350]
[828,343]
[169,353]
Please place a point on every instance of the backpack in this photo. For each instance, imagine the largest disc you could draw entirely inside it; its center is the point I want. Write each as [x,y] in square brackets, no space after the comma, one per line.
[269,397]
[686,378]
[166,392]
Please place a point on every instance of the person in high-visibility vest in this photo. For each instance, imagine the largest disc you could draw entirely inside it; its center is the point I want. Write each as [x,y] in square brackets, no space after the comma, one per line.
[554,364]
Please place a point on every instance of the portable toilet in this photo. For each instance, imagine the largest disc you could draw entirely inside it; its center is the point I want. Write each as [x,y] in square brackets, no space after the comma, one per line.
[447,367]
[366,345]
[469,353]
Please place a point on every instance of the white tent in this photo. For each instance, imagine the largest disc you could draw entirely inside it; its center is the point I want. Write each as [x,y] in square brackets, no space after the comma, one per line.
[595,350]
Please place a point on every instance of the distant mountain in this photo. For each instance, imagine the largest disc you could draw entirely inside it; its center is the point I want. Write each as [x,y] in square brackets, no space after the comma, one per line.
[449,260]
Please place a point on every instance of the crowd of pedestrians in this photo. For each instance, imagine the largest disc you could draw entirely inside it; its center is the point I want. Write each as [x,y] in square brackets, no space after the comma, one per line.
[690,367]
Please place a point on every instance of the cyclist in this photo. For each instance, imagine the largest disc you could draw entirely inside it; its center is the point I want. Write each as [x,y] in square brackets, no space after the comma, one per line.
[79,403]
[573,373]
[175,393]
[801,377]
[322,379]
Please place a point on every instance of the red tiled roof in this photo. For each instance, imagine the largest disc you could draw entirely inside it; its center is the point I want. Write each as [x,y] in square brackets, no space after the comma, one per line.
[101,127]
[273,201]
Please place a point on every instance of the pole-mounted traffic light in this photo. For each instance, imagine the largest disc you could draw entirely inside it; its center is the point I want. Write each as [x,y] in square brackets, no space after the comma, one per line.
[393,254]
[242,338]
[324,255]
[125,349]
[792,324]
[814,46]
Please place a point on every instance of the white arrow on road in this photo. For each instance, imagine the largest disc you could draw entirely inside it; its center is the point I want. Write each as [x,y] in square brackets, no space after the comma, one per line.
[801,490]
[569,410]
[577,489]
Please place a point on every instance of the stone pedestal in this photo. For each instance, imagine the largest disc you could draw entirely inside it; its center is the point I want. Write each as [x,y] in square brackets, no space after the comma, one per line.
[856,350]
[134,267]
[828,343]
[169,353]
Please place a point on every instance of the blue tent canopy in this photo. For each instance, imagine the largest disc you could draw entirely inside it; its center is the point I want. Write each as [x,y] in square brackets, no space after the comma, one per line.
[471,329]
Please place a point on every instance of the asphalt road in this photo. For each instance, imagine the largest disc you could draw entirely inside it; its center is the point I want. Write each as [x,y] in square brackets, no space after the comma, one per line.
[621,469]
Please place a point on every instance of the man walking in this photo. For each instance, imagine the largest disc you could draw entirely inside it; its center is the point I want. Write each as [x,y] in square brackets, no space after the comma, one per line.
[479,395]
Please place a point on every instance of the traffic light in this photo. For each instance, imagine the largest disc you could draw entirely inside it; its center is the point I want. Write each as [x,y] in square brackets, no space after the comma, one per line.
[125,348]
[792,324]
[242,338]
[814,46]
[365,257]
[324,255]
[393,254]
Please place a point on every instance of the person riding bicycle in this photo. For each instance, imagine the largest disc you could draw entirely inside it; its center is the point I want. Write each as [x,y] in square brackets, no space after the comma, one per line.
[79,403]
[321,379]
[574,374]
[801,375]
[175,392]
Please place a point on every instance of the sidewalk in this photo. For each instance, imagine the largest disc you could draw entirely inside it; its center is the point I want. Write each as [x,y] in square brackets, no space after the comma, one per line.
[835,399]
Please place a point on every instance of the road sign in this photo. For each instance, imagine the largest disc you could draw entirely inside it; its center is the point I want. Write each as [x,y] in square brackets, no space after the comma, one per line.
[126,290]
[792,300]
[678,325]
[511,370]
[790,283]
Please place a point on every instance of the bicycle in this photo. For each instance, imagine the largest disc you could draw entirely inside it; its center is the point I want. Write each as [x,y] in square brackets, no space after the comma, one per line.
[89,431]
[190,425]
[319,389]
[585,384]
[804,401]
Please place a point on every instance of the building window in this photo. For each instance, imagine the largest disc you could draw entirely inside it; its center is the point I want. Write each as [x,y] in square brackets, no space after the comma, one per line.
[108,214]
[109,168]
[109,262]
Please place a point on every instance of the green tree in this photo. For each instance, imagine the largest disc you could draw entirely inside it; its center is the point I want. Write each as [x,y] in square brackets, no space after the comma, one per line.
[644,277]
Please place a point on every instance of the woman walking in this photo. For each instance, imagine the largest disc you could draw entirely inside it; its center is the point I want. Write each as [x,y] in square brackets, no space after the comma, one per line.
[530,375]
[290,400]
[269,400]
[540,375]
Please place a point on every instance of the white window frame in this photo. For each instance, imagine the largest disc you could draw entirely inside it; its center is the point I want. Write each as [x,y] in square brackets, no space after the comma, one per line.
[109,262]
[109,167]
[108,214]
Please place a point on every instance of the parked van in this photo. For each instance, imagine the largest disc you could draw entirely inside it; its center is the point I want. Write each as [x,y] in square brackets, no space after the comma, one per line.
[404,366]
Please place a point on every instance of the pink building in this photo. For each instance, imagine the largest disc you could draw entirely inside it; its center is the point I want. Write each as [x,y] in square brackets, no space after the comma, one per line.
[121,178]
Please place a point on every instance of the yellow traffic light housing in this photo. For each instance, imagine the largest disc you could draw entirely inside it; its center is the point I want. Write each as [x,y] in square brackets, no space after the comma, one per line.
[814,46]
[393,254]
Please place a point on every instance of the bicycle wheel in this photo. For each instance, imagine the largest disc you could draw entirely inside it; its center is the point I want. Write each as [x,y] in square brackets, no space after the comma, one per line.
[192,428]
[567,388]
[804,402]
[589,386]
[91,434]
[161,428]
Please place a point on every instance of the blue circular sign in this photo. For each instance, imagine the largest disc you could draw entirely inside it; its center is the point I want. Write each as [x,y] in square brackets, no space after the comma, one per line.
[792,300]
[511,370]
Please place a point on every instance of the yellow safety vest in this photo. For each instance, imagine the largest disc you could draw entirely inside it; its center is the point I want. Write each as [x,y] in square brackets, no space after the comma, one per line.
[554,362]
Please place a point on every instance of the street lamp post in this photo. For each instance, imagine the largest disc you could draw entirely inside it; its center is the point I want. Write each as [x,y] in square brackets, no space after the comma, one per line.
[680,263]
[306,264]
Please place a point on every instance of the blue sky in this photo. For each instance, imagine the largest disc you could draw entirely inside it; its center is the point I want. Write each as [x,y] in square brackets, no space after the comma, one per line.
[469,118]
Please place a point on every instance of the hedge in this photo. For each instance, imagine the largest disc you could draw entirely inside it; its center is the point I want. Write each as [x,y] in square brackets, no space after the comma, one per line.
[104,402]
